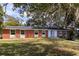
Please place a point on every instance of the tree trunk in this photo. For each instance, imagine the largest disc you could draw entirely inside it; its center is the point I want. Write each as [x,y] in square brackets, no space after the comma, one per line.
[70,23]
[71,34]
[0,32]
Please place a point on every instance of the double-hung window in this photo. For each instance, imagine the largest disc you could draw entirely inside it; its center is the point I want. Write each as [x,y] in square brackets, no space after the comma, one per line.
[22,32]
[36,33]
[12,32]
[43,33]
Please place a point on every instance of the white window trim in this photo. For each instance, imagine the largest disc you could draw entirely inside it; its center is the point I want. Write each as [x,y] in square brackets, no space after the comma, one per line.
[22,34]
[12,36]
[43,35]
[10,32]
[35,34]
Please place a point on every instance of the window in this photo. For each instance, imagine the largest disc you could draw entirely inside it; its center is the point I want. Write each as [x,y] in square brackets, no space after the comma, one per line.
[22,31]
[36,33]
[12,32]
[43,33]
[60,34]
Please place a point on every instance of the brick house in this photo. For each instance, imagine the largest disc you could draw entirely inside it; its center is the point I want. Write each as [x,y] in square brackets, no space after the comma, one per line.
[12,32]
[23,32]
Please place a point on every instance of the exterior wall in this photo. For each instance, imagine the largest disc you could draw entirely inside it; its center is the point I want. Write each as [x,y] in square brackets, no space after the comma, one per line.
[40,34]
[6,34]
[17,34]
[49,33]
[26,33]
[52,33]
[29,34]
[55,33]
[62,33]
[46,33]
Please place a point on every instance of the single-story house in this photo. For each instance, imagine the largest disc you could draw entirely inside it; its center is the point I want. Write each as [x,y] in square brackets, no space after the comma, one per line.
[10,32]
[23,32]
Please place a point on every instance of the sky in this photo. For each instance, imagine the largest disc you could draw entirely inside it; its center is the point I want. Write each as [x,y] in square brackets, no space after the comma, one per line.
[14,13]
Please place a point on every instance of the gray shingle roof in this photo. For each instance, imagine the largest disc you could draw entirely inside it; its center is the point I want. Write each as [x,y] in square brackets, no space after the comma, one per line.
[27,28]
[18,27]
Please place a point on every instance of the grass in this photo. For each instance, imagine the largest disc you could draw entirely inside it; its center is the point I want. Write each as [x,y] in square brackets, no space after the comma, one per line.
[39,47]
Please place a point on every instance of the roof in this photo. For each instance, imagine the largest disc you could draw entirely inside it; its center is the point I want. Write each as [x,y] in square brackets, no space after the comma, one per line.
[29,28]
[18,27]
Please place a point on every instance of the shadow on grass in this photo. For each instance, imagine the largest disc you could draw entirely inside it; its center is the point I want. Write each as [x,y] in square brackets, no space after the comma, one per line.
[32,49]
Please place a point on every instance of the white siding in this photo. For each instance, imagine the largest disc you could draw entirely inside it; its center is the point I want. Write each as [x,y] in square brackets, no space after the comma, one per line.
[52,33]
[12,36]
[55,33]
[49,33]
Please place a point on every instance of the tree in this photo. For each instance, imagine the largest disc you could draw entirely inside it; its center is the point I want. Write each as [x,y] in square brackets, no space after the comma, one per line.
[69,10]
[11,21]
[1,20]
[52,14]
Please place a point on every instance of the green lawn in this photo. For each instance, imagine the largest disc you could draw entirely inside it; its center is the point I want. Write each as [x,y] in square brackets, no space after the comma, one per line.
[39,48]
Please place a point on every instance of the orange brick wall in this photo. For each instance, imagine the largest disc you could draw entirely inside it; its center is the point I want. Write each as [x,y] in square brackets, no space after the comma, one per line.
[17,34]
[29,34]
[40,34]
[6,34]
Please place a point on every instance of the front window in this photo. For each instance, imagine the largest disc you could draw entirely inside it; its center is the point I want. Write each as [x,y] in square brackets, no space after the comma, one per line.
[36,33]
[60,34]
[22,31]
[43,33]
[12,32]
